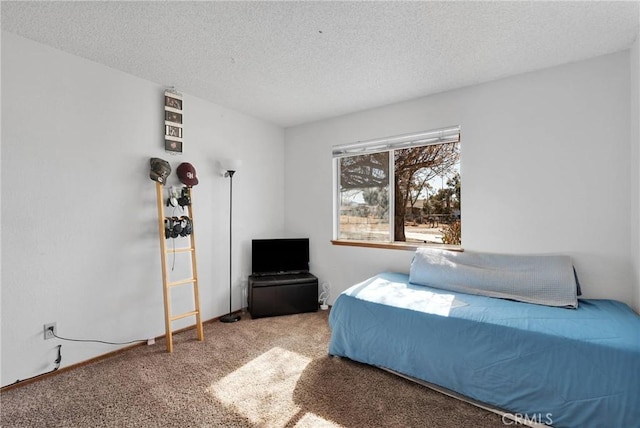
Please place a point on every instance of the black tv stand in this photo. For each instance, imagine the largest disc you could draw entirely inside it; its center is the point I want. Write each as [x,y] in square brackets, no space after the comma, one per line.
[282,294]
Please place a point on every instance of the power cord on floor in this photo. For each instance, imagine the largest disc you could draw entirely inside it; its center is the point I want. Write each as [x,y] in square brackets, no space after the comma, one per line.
[56,362]
[95,340]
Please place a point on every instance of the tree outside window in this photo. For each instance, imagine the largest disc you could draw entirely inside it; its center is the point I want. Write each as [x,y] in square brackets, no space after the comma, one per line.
[426,189]
[364,197]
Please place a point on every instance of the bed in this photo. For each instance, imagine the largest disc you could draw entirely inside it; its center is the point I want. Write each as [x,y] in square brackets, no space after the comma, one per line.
[546,365]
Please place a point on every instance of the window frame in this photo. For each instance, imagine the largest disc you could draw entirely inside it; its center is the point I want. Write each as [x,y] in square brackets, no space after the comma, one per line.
[389,144]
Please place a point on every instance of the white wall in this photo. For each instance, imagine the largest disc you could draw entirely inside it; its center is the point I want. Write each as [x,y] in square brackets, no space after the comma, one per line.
[79,223]
[545,169]
[635,166]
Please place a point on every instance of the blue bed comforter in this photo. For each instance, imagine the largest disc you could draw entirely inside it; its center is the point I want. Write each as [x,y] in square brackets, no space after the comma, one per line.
[562,367]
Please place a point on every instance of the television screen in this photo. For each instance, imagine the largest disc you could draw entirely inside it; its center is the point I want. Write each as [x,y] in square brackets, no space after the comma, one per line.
[269,256]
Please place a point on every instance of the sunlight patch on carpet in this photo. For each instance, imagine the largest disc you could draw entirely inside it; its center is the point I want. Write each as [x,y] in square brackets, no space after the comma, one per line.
[262,390]
[311,420]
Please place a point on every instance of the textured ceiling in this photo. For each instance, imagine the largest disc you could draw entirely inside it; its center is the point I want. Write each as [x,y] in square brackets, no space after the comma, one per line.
[296,62]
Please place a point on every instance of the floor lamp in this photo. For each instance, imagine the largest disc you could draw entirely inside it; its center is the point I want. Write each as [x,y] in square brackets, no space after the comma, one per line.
[230,317]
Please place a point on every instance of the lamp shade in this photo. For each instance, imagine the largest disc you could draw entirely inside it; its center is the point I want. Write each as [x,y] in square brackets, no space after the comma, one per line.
[231,164]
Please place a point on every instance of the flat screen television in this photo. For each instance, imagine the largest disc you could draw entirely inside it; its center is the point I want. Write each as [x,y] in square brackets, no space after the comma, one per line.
[274,256]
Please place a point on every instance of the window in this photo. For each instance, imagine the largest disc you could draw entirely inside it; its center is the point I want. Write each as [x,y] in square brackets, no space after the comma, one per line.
[399,189]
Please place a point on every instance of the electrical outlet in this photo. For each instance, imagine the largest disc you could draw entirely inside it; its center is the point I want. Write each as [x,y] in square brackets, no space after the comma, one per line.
[48,334]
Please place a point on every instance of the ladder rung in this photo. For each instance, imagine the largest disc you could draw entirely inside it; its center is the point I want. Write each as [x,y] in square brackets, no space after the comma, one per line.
[179,250]
[183,281]
[186,314]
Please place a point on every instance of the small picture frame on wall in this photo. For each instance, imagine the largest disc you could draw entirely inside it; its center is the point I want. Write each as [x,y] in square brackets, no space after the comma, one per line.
[173,146]
[173,102]
[173,131]
[173,117]
[173,122]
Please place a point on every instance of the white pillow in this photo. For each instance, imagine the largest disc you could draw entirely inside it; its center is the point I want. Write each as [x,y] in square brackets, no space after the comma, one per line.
[541,279]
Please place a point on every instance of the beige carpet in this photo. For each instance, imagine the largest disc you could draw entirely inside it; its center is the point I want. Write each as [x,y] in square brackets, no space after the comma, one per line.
[269,372]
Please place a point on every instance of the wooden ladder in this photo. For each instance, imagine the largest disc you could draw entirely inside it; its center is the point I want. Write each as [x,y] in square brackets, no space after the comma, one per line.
[166,284]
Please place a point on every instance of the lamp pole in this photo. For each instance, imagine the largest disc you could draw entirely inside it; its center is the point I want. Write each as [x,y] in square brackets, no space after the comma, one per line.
[230,317]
